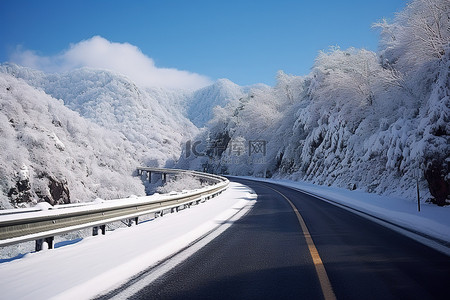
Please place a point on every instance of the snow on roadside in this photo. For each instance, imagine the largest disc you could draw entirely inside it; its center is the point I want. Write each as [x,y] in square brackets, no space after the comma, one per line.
[99,263]
[432,220]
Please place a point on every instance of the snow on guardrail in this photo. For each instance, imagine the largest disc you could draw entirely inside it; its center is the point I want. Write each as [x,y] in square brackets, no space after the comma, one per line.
[23,225]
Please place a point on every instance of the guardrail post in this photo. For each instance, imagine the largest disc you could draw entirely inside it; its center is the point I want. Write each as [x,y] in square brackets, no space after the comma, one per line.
[149,174]
[50,241]
[131,222]
[96,228]
[40,243]
[164,177]
[38,246]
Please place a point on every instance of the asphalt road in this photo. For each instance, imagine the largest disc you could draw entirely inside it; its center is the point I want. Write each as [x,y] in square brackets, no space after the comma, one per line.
[266,255]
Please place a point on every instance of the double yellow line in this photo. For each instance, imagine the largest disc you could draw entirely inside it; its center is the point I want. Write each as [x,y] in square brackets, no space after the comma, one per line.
[325,284]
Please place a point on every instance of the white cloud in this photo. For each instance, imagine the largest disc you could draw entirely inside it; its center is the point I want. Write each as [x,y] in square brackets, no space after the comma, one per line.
[124,58]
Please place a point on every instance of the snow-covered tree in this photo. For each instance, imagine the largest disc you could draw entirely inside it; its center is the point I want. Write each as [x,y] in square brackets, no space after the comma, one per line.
[419,34]
[416,46]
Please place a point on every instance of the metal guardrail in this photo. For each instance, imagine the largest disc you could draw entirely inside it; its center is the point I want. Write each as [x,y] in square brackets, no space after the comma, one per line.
[205,176]
[38,225]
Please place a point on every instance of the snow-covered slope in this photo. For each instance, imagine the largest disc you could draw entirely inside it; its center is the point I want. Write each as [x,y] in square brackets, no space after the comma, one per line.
[359,120]
[49,152]
[346,124]
[200,104]
[116,103]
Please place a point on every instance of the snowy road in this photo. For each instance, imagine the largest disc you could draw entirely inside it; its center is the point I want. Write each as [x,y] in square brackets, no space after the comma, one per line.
[266,255]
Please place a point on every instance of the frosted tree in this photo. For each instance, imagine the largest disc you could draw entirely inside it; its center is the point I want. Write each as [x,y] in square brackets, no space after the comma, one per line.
[426,26]
[421,33]
[416,47]
[352,71]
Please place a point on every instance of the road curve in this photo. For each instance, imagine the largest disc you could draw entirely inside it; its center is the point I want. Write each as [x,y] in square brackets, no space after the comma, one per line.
[267,254]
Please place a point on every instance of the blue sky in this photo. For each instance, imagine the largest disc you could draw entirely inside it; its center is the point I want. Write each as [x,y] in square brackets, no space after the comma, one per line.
[244,41]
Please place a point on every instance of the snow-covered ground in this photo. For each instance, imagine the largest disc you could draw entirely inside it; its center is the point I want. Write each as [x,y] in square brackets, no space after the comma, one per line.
[96,264]
[432,220]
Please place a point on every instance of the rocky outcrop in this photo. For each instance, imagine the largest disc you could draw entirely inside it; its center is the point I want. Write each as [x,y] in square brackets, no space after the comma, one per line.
[437,177]
[57,192]
[21,194]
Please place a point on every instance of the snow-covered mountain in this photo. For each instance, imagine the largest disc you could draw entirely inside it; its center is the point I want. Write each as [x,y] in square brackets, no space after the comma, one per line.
[49,152]
[116,103]
[201,103]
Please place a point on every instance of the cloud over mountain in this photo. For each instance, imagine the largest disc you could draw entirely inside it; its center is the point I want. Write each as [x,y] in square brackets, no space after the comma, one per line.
[97,52]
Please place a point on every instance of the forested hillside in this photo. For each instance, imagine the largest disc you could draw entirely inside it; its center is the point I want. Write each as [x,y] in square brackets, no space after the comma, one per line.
[361,120]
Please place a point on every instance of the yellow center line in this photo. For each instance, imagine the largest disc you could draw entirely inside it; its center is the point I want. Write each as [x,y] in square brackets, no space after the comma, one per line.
[325,284]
